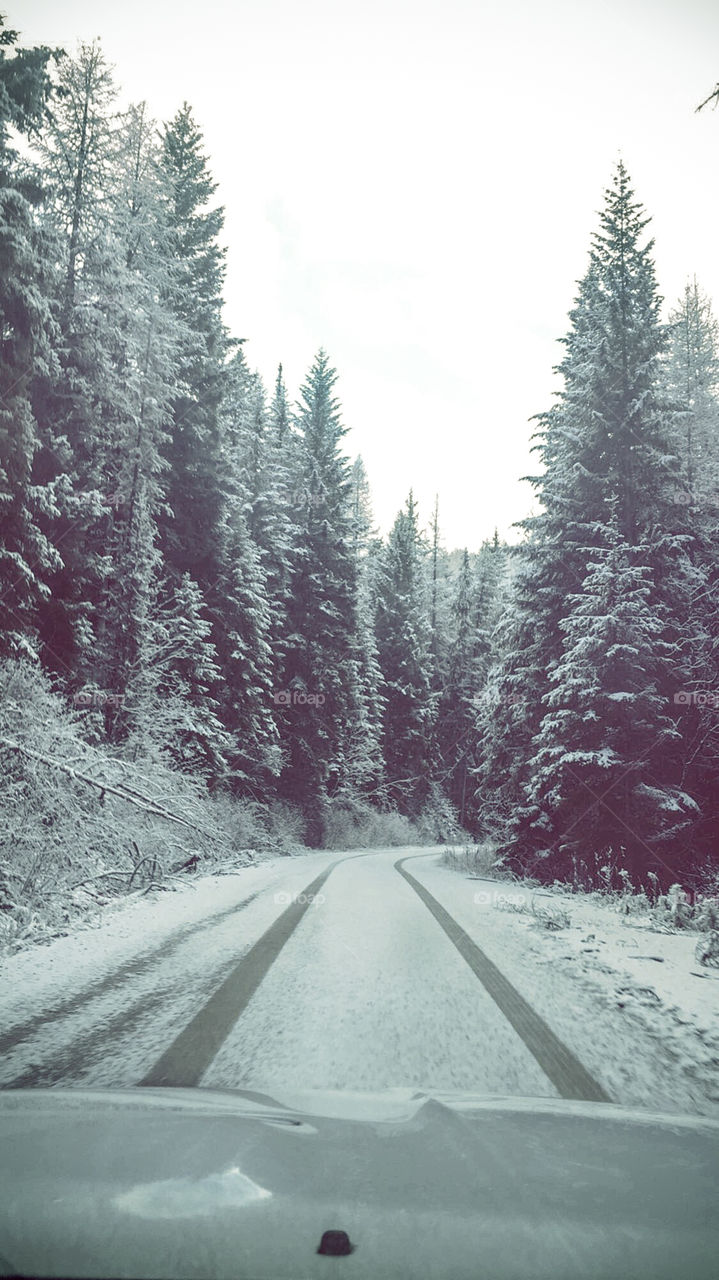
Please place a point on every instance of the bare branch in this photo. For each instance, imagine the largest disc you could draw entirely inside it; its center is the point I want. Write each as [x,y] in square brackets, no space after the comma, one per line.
[142,802]
[713,96]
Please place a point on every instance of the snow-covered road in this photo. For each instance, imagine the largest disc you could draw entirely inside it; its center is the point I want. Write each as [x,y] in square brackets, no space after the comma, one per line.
[224,984]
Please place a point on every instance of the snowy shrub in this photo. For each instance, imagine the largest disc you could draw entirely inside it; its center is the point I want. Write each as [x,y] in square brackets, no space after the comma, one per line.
[673,909]
[80,825]
[653,879]
[706,915]
[504,902]
[354,824]
[707,949]
[253,827]
[287,824]
[551,917]
[706,918]
[471,859]
[626,900]
[627,903]
[438,822]
[666,912]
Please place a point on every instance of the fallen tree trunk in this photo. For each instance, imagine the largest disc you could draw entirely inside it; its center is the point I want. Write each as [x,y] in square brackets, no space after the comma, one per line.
[141,802]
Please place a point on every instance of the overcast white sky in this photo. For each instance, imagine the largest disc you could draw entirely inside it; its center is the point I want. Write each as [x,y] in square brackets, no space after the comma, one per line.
[412,184]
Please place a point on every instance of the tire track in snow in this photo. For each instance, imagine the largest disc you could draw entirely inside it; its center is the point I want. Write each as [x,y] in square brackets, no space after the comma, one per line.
[133,968]
[569,1077]
[192,1051]
[70,1061]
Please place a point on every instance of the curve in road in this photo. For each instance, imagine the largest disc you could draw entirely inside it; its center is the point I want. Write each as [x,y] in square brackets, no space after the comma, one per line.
[193,1051]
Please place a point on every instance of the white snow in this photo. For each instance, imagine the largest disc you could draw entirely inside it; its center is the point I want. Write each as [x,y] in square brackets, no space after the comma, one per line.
[140,967]
[631,1002]
[130,927]
[368,992]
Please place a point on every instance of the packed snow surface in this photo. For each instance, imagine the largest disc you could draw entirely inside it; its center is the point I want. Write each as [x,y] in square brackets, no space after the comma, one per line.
[368,992]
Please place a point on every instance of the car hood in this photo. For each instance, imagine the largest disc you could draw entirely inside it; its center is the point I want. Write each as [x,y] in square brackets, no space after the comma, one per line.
[157,1183]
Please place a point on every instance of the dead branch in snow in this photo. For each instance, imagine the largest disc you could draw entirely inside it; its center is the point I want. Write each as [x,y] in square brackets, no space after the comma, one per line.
[122,792]
[713,96]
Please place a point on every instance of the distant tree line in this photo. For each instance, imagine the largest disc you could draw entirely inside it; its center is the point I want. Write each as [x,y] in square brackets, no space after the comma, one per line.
[191,557]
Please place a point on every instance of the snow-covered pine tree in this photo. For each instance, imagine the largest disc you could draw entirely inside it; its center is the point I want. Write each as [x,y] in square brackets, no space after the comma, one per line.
[693,381]
[463,709]
[361,506]
[367,749]
[79,154]
[181,721]
[320,701]
[509,702]
[81,400]
[194,523]
[260,461]
[280,413]
[692,373]
[26,554]
[262,487]
[244,602]
[242,631]
[608,436]
[190,532]
[440,593]
[490,583]
[150,341]
[596,797]
[455,729]
[549,564]
[404,650]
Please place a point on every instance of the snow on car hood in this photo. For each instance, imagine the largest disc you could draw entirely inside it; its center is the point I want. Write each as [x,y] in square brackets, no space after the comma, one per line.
[189,1183]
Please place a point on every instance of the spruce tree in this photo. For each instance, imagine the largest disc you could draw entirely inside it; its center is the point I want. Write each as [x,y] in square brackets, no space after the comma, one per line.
[404,639]
[280,415]
[366,748]
[196,497]
[608,438]
[150,343]
[596,799]
[81,398]
[26,553]
[320,702]
[457,712]
[181,718]
[247,602]
[692,375]
[242,635]
[474,616]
